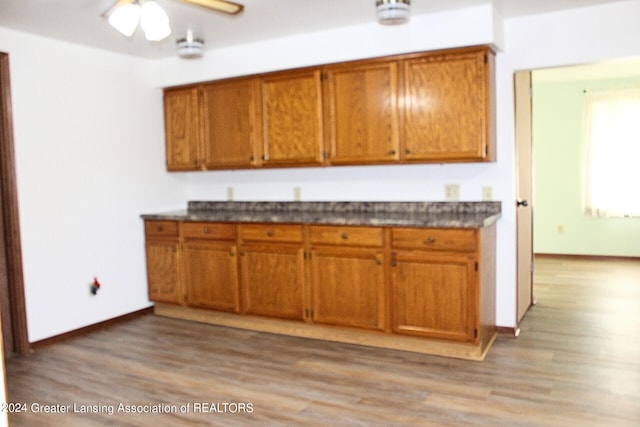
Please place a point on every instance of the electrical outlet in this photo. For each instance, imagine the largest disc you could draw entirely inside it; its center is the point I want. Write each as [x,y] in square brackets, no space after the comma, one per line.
[230,194]
[487,194]
[452,192]
[297,194]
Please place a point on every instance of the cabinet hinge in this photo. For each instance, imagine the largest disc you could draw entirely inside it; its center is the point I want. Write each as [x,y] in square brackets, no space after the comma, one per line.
[486,58]
[475,333]
[476,266]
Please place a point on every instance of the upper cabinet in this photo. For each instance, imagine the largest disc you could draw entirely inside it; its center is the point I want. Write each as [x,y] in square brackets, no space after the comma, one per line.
[447,107]
[230,122]
[183,131]
[362,113]
[426,107]
[292,118]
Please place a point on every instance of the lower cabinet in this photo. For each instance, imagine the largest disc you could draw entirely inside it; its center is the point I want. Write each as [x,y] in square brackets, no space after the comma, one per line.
[273,280]
[386,281]
[163,262]
[210,266]
[434,295]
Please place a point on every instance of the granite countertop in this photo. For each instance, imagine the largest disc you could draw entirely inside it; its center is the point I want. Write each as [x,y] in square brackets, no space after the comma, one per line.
[413,214]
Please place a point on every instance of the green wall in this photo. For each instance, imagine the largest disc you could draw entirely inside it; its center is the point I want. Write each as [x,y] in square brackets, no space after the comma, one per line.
[560,226]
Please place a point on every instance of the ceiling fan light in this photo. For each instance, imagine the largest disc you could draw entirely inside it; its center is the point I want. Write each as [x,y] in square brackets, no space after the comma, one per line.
[154,21]
[124,18]
[393,12]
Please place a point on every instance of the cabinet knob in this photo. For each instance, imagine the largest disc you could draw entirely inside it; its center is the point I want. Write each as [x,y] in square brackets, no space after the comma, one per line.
[394,263]
[252,158]
[158,228]
[430,240]
[344,236]
[205,230]
[392,152]
[232,253]
[407,151]
[270,233]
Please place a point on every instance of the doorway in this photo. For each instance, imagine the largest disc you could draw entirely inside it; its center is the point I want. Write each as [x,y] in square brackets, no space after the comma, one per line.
[12,308]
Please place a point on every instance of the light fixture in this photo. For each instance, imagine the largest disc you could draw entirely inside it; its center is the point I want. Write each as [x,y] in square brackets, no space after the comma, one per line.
[189,46]
[125,15]
[393,12]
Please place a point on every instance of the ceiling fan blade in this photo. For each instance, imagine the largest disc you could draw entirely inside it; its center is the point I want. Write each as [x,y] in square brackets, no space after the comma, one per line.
[218,5]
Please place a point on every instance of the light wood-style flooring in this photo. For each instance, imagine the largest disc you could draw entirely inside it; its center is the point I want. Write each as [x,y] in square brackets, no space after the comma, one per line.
[575,363]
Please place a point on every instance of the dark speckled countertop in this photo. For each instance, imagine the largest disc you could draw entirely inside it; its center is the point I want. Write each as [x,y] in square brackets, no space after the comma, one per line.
[412,214]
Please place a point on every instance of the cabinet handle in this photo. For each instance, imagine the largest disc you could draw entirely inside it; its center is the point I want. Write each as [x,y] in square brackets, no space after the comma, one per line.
[270,233]
[344,236]
[394,263]
[430,240]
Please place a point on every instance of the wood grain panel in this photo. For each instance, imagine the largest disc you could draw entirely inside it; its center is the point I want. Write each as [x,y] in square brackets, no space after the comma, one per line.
[346,235]
[163,271]
[292,118]
[440,239]
[270,233]
[230,109]
[348,287]
[273,280]
[182,124]
[208,230]
[211,275]
[434,296]
[446,104]
[362,106]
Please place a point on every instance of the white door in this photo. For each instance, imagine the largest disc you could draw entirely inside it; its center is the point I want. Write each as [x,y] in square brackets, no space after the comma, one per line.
[524,213]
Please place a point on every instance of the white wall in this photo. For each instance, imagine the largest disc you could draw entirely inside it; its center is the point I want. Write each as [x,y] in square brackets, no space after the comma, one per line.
[90,159]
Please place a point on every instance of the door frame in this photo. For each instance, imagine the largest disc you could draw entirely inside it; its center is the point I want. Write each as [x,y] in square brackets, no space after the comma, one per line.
[11,222]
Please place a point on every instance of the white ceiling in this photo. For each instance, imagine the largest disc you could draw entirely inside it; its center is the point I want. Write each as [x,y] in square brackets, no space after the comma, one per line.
[80,21]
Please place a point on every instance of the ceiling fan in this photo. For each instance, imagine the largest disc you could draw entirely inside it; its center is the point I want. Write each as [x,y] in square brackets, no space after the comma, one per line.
[124,15]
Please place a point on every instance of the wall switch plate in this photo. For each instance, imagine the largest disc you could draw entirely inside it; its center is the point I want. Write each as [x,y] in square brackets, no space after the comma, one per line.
[487,194]
[230,194]
[452,192]
[297,194]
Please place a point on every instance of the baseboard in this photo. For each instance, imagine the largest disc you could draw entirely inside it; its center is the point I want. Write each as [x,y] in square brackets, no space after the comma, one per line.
[509,332]
[588,257]
[88,329]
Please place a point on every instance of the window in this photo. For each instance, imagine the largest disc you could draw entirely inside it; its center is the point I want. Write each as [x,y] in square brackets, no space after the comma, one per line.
[612,137]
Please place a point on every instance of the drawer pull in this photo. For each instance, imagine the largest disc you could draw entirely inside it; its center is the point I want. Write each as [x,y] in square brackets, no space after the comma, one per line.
[232,253]
[344,236]
[270,233]
[205,230]
[430,240]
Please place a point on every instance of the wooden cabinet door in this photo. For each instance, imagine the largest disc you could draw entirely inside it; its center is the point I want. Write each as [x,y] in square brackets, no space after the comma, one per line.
[434,295]
[446,107]
[183,131]
[211,275]
[361,112]
[292,118]
[273,280]
[230,123]
[348,287]
[163,271]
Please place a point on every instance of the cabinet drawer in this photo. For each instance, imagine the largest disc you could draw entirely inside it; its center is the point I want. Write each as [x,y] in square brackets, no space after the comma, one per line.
[352,236]
[208,230]
[270,232]
[160,229]
[434,239]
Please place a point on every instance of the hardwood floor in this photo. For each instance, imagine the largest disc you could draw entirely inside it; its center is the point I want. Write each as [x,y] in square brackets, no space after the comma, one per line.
[576,362]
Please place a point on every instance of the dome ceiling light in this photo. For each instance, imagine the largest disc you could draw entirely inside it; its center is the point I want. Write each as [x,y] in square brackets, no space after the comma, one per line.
[393,12]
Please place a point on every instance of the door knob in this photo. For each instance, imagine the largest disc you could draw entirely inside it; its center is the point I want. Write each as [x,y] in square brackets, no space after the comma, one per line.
[522,203]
